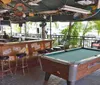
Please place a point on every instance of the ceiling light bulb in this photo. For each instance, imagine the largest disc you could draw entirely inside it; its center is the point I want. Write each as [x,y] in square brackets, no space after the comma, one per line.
[85,2]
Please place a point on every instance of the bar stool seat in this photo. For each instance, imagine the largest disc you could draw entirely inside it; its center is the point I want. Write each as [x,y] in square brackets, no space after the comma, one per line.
[56,48]
[61,46]
[4,57]
[21,62]
[42,51]
[50,50]
[5,65]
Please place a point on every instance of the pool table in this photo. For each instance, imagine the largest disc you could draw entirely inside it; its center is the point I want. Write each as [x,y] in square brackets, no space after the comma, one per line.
[71,65]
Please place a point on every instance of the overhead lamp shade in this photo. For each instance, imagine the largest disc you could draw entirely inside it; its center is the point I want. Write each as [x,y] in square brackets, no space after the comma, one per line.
[74,9]
[37,30]
[31,14]
[6,1]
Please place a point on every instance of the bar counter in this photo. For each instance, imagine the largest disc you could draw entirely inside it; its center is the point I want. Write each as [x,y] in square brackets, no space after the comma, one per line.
[30,47]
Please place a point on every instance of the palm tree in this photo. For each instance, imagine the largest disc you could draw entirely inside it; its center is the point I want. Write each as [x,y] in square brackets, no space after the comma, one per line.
[73,30]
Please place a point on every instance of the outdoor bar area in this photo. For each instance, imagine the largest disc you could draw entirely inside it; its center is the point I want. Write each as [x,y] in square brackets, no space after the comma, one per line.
[49,42]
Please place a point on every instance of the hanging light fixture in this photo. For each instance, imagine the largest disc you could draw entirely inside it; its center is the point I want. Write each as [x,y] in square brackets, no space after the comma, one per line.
[85,2]
[74,9]
[3,10]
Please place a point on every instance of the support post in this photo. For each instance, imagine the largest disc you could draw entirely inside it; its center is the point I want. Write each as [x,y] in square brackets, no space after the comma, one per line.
[11,28]
[50,27]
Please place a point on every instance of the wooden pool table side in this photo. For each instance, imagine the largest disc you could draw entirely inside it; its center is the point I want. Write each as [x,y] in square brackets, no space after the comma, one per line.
[55,68]
[88,68]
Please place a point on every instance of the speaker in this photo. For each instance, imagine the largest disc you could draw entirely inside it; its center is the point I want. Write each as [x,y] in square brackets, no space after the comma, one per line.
[20,24]
[43,24]
[37,30]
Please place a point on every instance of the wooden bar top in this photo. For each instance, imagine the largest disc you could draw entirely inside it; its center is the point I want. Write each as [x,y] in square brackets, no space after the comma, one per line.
[23,42]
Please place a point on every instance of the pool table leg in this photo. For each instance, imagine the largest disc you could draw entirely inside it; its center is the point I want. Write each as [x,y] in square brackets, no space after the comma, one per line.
[70,83]
[47,76]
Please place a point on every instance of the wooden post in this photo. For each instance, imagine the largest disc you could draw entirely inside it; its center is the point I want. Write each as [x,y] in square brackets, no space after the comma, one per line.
[67,40]
[50,26]
[43,24]
[11,28]
[43,32]
[25,28]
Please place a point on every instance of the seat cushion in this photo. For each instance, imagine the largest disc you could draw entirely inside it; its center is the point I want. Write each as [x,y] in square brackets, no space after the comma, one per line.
[4,57]
[20,55]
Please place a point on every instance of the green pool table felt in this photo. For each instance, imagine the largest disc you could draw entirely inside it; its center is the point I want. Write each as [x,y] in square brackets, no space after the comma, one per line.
[74,55]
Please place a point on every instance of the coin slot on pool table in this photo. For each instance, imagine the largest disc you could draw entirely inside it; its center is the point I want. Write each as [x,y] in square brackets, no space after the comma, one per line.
[93,64]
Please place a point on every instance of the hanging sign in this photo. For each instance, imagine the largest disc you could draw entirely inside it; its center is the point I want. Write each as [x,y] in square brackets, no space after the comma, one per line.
[6,1]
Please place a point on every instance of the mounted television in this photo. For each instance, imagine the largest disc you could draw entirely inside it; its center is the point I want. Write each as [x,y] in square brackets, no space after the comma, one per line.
[5,22]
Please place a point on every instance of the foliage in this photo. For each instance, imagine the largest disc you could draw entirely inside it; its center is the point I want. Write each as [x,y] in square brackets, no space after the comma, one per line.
[17,28]
[78,27]
[75,30]
[87,27]
[29,26]
[97,26]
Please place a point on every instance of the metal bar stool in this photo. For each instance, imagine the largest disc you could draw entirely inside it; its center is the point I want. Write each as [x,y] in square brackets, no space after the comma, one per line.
[41,53]
[5,65]
[21,62]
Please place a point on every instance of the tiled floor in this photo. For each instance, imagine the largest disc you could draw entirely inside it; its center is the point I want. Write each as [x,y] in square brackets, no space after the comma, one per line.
[36,77]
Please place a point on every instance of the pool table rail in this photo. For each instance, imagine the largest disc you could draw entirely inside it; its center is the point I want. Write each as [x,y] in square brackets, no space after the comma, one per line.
[88,59]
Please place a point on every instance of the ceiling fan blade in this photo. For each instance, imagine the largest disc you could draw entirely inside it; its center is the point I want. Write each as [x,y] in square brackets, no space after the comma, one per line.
[98,4]
[75,9]
[48,12]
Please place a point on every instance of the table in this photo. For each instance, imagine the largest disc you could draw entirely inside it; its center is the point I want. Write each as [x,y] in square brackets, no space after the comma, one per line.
[94,44]
[72,64]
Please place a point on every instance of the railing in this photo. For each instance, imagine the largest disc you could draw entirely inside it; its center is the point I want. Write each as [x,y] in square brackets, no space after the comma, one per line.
[29,35]
[74,40]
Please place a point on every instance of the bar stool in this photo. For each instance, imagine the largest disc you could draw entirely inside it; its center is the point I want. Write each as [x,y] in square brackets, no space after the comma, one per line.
[42,52]
[61,46]
[57,48]
[5,65]
[50,50]
[21,62]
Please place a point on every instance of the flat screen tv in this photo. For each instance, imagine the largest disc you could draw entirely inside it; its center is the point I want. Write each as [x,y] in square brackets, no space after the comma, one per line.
[5,22]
